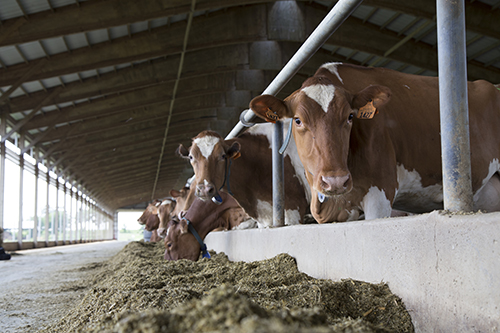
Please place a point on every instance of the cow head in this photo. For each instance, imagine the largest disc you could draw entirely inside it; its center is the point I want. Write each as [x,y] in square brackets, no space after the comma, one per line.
[179,242]
[205,216]
[165,213]
[323,115]
[152,208]
[209,155]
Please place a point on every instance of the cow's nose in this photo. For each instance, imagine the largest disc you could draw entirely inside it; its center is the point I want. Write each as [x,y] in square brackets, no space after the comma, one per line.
[334,184]
[205,190]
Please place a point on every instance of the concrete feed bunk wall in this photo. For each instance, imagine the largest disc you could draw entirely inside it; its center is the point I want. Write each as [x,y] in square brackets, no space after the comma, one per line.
[446,268]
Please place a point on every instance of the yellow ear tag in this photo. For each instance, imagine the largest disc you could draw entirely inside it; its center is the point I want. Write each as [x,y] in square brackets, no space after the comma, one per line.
[367,111]
[237,155]
[272,116]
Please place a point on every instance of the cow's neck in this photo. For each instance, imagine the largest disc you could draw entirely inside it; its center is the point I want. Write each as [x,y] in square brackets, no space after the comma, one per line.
[209,224]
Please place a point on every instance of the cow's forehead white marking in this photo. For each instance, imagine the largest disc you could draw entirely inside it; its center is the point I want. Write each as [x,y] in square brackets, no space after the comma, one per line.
[332,67]
[206,144]
[166,202]
[322,94]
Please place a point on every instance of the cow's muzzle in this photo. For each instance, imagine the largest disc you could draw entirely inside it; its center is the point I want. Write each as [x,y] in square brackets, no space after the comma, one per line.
[205,191]
[336,185]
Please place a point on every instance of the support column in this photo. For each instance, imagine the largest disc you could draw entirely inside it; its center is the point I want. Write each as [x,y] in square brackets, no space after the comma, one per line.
[56,216]
[453,103]
[3,128]
[35,217]
[278,178]
[70,232]
[64,217]
[21,188]
[47,207]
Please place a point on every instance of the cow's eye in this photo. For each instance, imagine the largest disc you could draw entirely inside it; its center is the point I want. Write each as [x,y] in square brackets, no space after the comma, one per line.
[223,157]
[298,122]
[349,119]
[169,245]
[191,157]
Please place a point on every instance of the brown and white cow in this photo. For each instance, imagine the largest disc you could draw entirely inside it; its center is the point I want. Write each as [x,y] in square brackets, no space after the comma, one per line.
[237,217]
[245,164]
[150,220]
[369,139]
[204,217]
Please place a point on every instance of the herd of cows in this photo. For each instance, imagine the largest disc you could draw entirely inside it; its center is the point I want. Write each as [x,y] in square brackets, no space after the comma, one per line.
[366,145]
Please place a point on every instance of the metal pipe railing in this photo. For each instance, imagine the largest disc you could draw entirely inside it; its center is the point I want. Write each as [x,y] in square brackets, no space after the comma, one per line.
[337,15]
[453,105]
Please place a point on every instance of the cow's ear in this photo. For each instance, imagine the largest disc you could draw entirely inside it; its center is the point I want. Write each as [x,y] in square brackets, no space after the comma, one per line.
[369,100]
[183,227]
[234,151]
[269,108]
[175,193]
[182,151]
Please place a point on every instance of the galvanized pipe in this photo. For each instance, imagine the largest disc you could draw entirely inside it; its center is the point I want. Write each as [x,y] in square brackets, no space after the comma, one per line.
[278,179]
[453,103]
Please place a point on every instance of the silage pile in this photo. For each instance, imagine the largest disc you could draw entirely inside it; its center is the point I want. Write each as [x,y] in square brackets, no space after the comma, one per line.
[138,291]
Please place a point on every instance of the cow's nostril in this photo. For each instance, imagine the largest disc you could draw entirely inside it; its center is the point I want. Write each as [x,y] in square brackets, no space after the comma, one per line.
[335,183]
[347,181]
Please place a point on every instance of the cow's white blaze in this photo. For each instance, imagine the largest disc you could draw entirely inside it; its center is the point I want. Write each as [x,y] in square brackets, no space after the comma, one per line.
[375,204]
[166,202]
[322,94]
[206,145]
[332,67]
[411,195]
[291,151]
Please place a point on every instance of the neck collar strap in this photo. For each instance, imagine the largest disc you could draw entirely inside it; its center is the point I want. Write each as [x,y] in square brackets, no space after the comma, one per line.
[227,175]
[203,246]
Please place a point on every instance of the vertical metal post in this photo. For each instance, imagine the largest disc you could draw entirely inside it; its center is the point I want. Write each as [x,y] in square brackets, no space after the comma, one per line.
[47,213]
[64,217]
[278,179]
[21,188]
[453,102]
[35,217]
[56,214]
[70,233]
[3,130]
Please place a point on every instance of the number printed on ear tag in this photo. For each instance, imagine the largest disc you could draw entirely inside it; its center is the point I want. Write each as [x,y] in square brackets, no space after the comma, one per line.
[271,115]
[367,111]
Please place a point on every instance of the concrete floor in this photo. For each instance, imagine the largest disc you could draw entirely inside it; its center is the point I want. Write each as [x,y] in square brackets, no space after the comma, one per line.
[37,286]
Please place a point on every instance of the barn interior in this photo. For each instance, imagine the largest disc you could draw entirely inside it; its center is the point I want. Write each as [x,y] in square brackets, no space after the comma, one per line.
[96,95]
[101,93]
